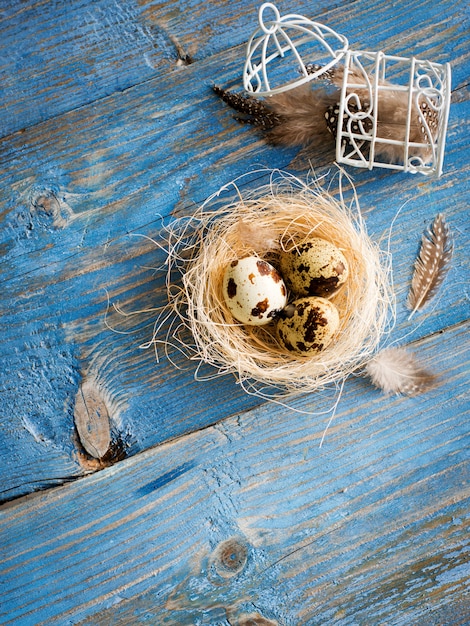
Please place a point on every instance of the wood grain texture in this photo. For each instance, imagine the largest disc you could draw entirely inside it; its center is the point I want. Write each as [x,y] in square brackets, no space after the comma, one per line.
[72,191]
[372,528]
[56,57]
[227,512]
[91,418]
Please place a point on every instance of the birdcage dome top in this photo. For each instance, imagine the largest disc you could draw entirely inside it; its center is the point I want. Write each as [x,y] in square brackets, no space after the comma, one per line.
[285,46]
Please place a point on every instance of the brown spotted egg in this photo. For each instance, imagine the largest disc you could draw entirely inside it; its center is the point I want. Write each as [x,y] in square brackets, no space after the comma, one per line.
[314,268]
[307,325]
[253,291]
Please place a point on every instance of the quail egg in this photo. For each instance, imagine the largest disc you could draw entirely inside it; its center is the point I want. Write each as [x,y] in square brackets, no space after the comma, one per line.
[307,325]
[314,268]
[253,291]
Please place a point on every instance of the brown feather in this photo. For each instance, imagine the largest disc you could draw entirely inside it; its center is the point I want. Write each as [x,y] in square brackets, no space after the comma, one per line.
[259,238]
[292,118]
[301,113]
[395,370]
[308,116]
[431,266]
[256,111]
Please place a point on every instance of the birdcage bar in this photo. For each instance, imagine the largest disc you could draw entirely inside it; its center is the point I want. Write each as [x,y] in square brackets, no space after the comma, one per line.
[363,155]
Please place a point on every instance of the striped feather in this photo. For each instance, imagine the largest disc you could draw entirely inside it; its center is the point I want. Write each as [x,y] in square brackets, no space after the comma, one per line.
[431,266]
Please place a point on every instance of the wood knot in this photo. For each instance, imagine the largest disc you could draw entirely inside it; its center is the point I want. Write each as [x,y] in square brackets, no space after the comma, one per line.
[255,619]
[53,205]
[98,445]
[230,557]
[92,418]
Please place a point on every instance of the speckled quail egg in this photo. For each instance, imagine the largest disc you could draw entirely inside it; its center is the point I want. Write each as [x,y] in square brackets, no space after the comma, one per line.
[307,325]
[253,291]
[314,268]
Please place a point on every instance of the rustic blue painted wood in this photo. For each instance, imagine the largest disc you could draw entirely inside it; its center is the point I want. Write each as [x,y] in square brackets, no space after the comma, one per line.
[105,129]
[59,56]
[372,528]
[69,205]
[86,51]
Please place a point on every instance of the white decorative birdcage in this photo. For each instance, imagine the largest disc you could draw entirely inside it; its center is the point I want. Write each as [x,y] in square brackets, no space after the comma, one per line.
[392,111]
[277,37]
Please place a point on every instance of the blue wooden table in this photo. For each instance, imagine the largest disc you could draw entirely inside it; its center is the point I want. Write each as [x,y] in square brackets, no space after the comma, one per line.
[225,509]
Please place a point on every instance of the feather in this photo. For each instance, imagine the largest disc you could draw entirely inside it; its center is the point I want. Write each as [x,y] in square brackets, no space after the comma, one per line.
[392,116]
[431,266]
[261,239]
[256,112]
[292,118]
[307,115]
[302,116]
[395,370]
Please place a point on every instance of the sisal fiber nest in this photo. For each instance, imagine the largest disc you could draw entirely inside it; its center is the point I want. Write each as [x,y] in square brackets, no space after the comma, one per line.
[279,215]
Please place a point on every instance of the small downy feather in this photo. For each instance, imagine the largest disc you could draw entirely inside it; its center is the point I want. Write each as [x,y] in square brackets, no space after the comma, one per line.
[395,370]
[256,237]
[431,266]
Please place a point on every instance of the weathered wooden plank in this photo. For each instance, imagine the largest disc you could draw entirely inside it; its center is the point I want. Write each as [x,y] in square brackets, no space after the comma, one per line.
[159,402]
[82,51]
[77,53]
[71,190]
[370,528]
[243,514]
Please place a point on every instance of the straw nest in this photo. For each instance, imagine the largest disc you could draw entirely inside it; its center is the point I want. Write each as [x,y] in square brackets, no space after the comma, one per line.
[280,215]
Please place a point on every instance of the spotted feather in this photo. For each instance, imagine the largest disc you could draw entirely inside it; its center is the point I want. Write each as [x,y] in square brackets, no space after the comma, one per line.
[257,112]
[432,264]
